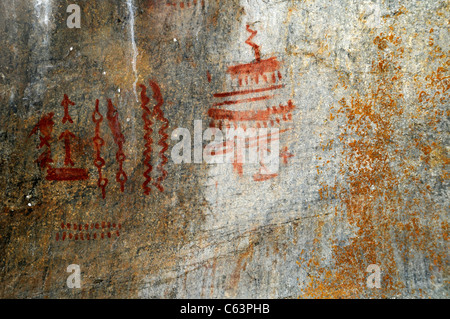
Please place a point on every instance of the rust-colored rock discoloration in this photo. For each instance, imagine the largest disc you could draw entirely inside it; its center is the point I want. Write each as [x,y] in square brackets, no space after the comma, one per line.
[358,92]
[384,190]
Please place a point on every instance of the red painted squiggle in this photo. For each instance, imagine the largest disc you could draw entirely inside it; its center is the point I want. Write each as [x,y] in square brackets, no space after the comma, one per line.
[148,137]
[99,162]
[164,136]
[253,44]
[119,139]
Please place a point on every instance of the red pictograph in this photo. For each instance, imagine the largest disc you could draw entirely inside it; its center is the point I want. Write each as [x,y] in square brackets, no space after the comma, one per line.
[45,126]
[67,136]
[258,83]
[162,132]
[65,103]
[152,118]
[249,74]
[285,155]
[88,232]
[268,69]
[114,125]
[99,162]
[67,174]
[253,44]
[185,4]
[147,116]
[261,115]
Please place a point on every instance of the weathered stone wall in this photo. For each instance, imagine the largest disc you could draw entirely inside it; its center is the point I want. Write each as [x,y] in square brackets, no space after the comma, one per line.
[361,96]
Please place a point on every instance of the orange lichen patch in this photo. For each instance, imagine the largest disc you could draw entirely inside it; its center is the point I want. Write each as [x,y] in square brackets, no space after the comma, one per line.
[432,108]
[384,194]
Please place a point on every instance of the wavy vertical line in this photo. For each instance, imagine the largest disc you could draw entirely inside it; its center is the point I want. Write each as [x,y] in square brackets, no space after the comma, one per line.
[253,44]
[163,132]
[146,113]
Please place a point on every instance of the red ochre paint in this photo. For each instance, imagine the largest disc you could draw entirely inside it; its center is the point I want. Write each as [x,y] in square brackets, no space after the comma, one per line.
[249,100]
[67,136]
[257,68]
[162,132]
[114,125]
[65,103]
[263,177]
[255,47]
[146,116]
[208,76]
[67,174]
[285,155]
[244,92]
[45,126]
[262,115]
[98,143]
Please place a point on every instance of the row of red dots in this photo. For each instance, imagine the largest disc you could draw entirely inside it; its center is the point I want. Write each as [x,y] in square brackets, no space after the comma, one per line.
[187,4]
[223,123]
[86,236]
[92,226]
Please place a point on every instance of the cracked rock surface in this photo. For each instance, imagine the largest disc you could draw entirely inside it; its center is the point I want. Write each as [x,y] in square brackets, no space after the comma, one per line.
[354,93]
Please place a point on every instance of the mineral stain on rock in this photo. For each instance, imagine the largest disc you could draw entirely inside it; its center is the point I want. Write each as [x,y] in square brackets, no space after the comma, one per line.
[358,91]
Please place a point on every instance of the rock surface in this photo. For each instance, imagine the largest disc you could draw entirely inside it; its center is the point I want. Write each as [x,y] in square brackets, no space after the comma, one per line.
[359,91]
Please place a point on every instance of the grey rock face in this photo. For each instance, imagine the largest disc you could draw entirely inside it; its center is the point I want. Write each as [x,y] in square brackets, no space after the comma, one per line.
[357,90]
